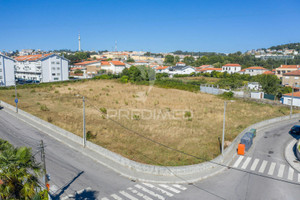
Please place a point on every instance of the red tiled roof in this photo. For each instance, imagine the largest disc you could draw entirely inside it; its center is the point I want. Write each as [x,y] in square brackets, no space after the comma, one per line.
[289,66]
[105,63]
[232,65]
[243,70]
[180,63]
[87,62]
[161,67]
[268,72]
[296,94]
[293,73]
[210,69]
[117,63]
[31,57]
[256,67]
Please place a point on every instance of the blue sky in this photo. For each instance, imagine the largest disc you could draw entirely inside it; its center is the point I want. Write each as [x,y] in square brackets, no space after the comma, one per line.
[156,25]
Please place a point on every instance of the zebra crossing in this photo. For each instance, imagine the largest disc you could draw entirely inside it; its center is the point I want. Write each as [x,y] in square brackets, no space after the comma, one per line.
[266,167]
[147,191]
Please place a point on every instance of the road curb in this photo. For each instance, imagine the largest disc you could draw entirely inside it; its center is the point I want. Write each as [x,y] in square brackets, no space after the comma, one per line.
[290,156]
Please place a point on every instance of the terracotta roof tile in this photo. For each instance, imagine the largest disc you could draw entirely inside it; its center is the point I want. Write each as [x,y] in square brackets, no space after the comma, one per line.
[293,73]
[232,65]
[32,57]
[296,94]
[117,63]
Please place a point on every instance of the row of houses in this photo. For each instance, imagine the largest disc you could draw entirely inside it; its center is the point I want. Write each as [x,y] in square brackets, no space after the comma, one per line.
[39,67]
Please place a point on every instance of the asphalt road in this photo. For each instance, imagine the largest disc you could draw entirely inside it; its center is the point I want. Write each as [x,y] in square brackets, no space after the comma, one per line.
[71,172]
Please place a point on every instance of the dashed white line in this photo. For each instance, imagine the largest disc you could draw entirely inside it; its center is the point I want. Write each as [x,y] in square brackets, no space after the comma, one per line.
[238,161]
[281,170]
[116,197]
[291,173]
[159,189]
[244,166]
[272,168]
[254,164]
[298,177]
[180,187]
[139,194]
[149,192]
[169,188]
[263,166]
[104,198]
[128,195]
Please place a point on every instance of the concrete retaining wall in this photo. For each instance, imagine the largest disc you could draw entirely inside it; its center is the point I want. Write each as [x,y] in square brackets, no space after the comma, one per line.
[211,166]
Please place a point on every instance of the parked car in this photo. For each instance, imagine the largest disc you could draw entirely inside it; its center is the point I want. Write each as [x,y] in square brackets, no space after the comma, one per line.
[295,130]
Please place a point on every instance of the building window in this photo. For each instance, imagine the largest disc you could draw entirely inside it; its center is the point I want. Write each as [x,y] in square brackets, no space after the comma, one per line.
[0,70]
[296,77]
[52,62]
[55,79]
[58,74]
[53,74]
[53,68]
[57,63]
[0,77]
[58,68]
[0,63]
[286,77]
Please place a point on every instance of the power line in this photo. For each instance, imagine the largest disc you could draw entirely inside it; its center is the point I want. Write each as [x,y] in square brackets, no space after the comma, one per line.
[191,155]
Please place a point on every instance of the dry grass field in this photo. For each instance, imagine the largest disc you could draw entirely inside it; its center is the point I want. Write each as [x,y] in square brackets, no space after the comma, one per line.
[188,121]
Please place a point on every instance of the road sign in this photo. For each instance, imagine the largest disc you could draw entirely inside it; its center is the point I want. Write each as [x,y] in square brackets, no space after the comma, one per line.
[16,100]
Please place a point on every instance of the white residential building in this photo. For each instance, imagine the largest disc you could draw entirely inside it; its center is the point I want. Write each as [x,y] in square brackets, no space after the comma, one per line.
[181,70]
[42,67]
[253,71]
[231,68]
[7,71]
[287,99]
[115,67]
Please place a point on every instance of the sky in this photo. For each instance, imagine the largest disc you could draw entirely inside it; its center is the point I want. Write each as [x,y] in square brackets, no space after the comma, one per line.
[153,25]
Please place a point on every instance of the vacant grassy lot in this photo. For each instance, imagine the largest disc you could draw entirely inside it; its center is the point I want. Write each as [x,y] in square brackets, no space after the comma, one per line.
[188,121]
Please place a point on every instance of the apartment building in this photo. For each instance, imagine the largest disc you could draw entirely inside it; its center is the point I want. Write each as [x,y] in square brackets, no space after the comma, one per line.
[7,71]
[253,71]
[42,67]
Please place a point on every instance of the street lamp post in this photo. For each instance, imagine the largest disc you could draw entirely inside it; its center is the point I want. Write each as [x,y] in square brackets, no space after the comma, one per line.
[223,134]
[291,111]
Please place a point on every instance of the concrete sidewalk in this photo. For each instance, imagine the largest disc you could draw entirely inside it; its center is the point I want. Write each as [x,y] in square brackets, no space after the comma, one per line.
[290,155]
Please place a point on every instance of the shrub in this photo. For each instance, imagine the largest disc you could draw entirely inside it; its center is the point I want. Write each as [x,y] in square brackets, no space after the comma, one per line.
[90,136]
[136,117]
[44,108]
[227,95]
[103,110]
[56,91]
[49,119]
[32,91]
[124,79]
[187,114]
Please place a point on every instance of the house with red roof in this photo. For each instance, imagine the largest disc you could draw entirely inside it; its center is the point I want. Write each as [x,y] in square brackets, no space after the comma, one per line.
[115,67]
[285,69]
[209,70]
[253,71]
[287,99]
[182,64]
[162,69]
[231,68]
[291,78]
[42,67]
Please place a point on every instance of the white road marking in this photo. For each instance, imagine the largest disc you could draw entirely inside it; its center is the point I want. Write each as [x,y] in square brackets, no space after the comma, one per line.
[159,189]
[272,168]
[244,166]
[104,198]
[169,188]
[254,165]
[263,166]
[139,194]
[298,177]
[291,173]
[128,195]
[180,187]
[149,192]
[116,197]
[238,161]
[281,170]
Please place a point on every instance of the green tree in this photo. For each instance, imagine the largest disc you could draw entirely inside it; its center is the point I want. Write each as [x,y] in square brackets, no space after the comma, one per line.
[130,60]
[176,59]
[189,60]
[19,172]
[269,83]
[169,59]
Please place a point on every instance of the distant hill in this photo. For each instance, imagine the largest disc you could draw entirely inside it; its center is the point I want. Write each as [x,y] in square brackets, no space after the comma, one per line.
[295,46]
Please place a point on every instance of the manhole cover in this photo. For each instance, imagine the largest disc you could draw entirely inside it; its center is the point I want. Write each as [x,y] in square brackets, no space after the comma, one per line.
[270,152]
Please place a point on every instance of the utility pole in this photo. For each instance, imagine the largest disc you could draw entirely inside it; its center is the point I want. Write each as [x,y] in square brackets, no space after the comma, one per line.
[223,135]
[84,134]
[16,96]
[291,112]
[44,164]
